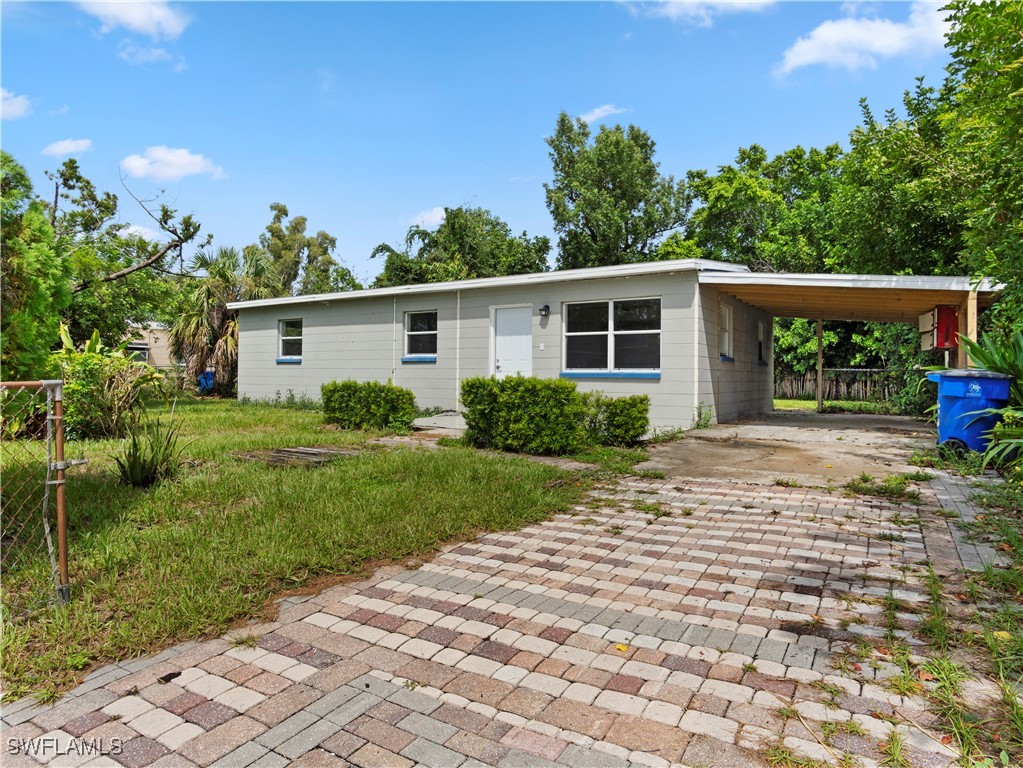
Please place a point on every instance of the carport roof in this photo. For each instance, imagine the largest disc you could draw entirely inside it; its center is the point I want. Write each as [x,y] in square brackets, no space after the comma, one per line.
[882,298]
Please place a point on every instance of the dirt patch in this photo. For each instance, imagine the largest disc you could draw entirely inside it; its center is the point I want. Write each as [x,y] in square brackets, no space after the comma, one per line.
[806,449]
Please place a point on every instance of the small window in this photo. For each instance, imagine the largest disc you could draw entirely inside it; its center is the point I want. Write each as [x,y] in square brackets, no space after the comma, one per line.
[761,342]
[291,339]
[613,335]
[725,331]
[421,333]
[138,352]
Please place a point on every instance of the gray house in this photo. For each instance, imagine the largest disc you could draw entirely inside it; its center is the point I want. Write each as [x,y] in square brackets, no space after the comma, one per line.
[695,335]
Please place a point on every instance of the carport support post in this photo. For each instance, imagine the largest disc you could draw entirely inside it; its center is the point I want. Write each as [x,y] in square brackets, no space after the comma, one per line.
[820,367]
[967,325]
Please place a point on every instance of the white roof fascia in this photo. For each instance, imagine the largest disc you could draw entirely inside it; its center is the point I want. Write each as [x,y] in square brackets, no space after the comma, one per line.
[799,280]
[537,278]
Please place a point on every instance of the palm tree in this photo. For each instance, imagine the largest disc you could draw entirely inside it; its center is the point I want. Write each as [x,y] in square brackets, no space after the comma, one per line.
[206,334]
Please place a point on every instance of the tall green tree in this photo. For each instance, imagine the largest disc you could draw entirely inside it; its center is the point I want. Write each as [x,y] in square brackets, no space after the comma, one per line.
[767,214]
[35,283]
[608,199]
[471,242]
[304,263]
[897,205]
[986,43]
[205,335]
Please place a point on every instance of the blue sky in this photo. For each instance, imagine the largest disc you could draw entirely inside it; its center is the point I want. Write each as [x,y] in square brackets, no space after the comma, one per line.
[367,117]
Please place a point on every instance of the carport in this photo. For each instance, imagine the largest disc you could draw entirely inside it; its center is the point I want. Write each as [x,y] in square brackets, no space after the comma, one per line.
[876,298]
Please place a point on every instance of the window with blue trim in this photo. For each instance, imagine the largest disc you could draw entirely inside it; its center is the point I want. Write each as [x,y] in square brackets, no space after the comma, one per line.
[290,340]
[421,333]
[616,335]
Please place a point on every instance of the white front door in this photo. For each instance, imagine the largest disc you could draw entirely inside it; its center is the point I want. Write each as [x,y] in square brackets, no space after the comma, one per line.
[513,341]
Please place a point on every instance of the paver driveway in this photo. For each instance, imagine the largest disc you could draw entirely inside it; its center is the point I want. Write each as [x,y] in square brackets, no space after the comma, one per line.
[691,622]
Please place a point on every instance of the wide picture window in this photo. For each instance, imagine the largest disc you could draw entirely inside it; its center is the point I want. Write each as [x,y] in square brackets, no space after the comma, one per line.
[620,335]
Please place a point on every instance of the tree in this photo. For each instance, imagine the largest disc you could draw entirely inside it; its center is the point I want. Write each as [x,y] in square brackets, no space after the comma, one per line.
[34,279]
[304,263]
[84,219]
[206,333]
[987,73]
[897,205]
[609,202]
[769,215]
[469,243]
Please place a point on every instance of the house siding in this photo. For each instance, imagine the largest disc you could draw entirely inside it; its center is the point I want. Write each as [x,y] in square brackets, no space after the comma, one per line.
[742,386]
[363,338]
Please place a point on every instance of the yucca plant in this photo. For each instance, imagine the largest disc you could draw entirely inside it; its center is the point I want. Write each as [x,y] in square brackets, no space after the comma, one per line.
[150,454]
[1001,353]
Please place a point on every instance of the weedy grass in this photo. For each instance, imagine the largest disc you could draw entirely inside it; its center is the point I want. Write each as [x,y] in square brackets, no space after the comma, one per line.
[185,559]
[894,487]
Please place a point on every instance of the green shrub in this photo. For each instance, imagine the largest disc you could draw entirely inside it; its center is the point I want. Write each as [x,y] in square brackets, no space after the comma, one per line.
[150,454]
[524,414]
[619,421]
[368,405]
[480,409]
[548,416]
[103,389]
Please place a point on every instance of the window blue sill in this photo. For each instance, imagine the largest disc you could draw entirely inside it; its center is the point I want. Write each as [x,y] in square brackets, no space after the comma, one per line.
[611,374]
[727,359]
[419,359]
[289,361]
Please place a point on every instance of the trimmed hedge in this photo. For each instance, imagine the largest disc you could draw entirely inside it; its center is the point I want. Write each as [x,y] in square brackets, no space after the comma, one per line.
[548,416]
[368,405]
[617,421]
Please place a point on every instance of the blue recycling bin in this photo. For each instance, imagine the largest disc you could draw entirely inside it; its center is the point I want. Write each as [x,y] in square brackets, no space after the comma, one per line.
[961,394]
[205,382]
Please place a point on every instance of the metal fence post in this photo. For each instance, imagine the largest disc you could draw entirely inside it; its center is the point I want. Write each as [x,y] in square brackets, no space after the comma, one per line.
[64,588]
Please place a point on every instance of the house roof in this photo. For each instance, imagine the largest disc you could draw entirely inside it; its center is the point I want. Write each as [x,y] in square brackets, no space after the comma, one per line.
[882,298]
[537,278]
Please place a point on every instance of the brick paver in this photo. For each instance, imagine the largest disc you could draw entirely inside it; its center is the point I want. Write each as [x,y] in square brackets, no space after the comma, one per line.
[604,637]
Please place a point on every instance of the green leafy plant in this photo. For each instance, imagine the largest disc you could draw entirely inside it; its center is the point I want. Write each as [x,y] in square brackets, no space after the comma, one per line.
[369,405]
[150,454]
[104,390]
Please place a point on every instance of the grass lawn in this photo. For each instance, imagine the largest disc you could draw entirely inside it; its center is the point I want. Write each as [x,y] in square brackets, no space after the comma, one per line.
[832,406]
[186,558]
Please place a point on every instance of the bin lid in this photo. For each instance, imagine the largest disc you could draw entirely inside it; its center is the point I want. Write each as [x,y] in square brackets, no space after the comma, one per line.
[966,373]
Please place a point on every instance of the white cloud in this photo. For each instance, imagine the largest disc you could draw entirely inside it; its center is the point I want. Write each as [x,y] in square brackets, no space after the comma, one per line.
[855,43]
[428,219]
[701,13]
[60,111]
[169,164]
[135,230]
[68,147]
[135,54]
[598,114]
[155,19]
[14,106]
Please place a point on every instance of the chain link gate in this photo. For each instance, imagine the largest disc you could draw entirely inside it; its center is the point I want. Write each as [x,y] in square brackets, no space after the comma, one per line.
[33,503]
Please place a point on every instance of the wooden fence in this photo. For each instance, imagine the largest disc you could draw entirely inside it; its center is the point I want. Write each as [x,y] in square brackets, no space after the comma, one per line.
[860,384]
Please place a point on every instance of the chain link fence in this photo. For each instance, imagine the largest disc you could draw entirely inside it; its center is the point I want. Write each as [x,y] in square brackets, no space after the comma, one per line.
[33,507]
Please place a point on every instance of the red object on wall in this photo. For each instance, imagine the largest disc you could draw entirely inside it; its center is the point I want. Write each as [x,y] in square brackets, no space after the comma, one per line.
[947,330]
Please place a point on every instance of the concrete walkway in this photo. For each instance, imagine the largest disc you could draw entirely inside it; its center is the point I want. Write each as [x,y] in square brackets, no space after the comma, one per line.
[662,623]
